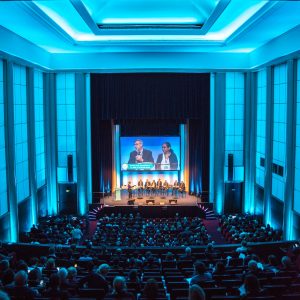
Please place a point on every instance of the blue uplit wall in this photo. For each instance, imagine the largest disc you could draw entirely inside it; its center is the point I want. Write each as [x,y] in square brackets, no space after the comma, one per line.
[279,128]
[21,136]
[297,158]
[234,124]
[66,127]
[261,126]
[39,128]
[3,185]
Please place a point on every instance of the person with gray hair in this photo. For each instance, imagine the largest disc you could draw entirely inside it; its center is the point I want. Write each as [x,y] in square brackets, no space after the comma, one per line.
[62,274]
[196,292]
[20,290]
[187,254]
[140,155]
[96,279]
[120,290]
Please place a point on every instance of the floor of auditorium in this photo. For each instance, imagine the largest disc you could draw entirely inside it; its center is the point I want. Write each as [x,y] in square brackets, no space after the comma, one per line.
[186,200]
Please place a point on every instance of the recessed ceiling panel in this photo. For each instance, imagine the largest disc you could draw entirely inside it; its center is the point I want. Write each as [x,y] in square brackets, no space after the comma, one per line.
[150,12]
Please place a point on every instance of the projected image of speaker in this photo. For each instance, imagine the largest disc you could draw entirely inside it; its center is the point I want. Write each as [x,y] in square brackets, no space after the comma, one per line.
[70,167]
[230,167]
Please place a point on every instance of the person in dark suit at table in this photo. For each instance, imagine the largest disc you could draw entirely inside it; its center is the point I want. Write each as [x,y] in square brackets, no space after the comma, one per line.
[168,159]
[148,186]
[181,188]
[140,155]
[140,187]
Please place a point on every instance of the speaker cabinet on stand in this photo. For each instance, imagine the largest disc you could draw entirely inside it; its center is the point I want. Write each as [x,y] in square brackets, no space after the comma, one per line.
[230,167]
[70,168]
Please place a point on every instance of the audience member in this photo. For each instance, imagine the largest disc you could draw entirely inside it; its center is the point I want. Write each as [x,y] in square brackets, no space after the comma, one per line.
[196,292]
[96,279]
[20,290]
[151,290]
[201,274]
[120,289]
[251,287]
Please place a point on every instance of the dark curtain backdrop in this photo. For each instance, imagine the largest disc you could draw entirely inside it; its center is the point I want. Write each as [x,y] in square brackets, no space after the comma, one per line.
[199,153]
[101,154]
[150,104]
[149,128]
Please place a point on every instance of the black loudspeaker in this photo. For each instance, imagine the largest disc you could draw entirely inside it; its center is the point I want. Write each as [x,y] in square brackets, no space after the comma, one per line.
[131,202]
[173,201]
[70,167]
[150,201]
[230,167]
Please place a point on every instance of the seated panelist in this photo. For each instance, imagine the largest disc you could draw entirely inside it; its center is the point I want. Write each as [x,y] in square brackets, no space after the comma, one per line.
[181,187]
[140,186]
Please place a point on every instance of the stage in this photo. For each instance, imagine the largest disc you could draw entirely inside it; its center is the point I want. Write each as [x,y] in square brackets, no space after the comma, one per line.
[188,206]
[145,200]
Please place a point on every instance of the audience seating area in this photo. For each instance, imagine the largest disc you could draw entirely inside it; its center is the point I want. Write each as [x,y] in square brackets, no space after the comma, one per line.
[170,268]
[250,228]
[54,230]
[157,258]
[132,230]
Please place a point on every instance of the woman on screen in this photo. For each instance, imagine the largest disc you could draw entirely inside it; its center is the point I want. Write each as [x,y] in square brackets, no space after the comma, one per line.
[168,159]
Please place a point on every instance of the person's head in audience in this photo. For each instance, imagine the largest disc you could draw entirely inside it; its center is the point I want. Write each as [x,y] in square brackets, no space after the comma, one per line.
[252,286]
[151,289]
[103,269]
[50,264]
[252,266]
[244,243]
[199,267]
[133,276]
[21,278]
[43,260]
[196,292]
[119,285]
[272,259]
[188,251]
[169,256]
[35,275]
[72,273]
[220,268]
[209,247]
[8,277]
[62,273]
[286,263]
[3,296]
[52,252]
[33,262]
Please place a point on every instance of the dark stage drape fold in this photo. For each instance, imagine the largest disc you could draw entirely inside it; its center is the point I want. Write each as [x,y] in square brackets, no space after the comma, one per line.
[150,104]
[149,128]
[198,154]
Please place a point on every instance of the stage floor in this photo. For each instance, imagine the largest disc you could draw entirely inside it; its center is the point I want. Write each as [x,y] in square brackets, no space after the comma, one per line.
[186,200]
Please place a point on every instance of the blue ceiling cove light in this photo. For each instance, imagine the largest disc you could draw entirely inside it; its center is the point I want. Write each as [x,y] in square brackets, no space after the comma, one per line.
[76,26]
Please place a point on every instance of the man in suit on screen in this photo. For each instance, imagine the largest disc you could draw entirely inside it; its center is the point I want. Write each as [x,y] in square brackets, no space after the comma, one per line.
[140,155]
